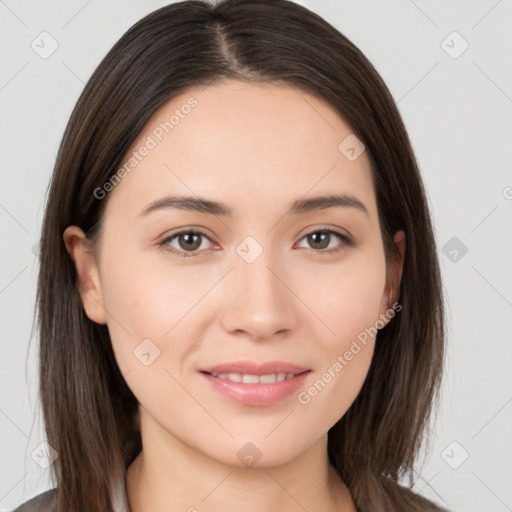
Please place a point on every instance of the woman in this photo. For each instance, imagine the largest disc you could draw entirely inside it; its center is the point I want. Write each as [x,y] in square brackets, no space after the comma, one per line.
[239,297]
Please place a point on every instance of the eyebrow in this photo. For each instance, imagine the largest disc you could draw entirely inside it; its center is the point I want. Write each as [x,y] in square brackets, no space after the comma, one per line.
[299,206]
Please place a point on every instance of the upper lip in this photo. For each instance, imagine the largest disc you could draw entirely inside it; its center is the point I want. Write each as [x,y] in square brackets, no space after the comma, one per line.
[252,368]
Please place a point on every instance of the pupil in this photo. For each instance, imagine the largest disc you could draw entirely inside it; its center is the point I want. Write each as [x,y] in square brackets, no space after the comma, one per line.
[323,235]
[188,237]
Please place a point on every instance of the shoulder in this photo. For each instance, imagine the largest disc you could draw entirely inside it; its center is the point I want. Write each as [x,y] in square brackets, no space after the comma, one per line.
[44,502]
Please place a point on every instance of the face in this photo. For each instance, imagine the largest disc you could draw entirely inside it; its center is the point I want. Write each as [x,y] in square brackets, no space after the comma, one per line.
[183,291]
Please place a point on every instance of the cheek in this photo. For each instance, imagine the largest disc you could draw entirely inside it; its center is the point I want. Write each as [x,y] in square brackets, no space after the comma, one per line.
[142,305]
[335,387]
[345,297]
[154,308]
[147,327]
[347,300]
[346,355]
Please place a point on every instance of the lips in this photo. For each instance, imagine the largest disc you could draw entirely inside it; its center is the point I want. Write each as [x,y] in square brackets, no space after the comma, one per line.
[254,384]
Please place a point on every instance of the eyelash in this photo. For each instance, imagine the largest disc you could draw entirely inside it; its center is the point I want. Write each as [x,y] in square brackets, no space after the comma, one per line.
[347,241]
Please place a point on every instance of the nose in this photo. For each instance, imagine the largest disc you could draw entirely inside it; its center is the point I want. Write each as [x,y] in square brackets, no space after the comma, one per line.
[259,300]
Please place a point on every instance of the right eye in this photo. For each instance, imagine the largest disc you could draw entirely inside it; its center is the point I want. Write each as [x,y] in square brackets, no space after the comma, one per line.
[187,239]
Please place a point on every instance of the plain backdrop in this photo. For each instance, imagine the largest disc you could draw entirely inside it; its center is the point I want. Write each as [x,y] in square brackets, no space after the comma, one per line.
[448,65]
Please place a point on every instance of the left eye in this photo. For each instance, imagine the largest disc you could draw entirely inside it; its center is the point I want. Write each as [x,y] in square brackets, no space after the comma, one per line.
[189,242]
[318,238]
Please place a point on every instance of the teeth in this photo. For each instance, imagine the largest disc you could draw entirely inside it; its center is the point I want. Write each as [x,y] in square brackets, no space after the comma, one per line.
[246,378]
[250,379]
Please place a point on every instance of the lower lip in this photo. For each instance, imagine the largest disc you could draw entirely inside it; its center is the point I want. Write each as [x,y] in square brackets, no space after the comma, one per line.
[256,394]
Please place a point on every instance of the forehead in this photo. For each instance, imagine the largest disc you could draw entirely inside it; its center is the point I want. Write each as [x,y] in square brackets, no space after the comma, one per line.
[245,144]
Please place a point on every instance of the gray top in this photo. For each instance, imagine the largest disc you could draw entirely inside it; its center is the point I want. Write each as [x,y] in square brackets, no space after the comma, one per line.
[44,502]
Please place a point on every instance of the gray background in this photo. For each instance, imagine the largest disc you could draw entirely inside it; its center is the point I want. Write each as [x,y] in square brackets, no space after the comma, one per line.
[458,110]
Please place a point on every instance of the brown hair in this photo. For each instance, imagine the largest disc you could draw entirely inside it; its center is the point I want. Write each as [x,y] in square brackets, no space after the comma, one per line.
[89,411]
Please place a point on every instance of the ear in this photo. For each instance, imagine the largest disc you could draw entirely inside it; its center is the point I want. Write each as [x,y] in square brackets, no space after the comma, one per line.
[87,273]
[393,277]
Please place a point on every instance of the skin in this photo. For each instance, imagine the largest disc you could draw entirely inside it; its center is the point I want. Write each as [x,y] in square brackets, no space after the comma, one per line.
[256,148]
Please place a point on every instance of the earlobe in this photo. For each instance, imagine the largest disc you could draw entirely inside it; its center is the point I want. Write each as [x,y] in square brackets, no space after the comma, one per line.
[87,274]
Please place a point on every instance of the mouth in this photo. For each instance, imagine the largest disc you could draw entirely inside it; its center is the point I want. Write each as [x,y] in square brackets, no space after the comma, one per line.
[247,378]
[258,369]
[253,384]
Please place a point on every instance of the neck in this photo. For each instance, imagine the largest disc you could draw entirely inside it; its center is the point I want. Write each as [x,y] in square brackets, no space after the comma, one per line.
[174,476]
